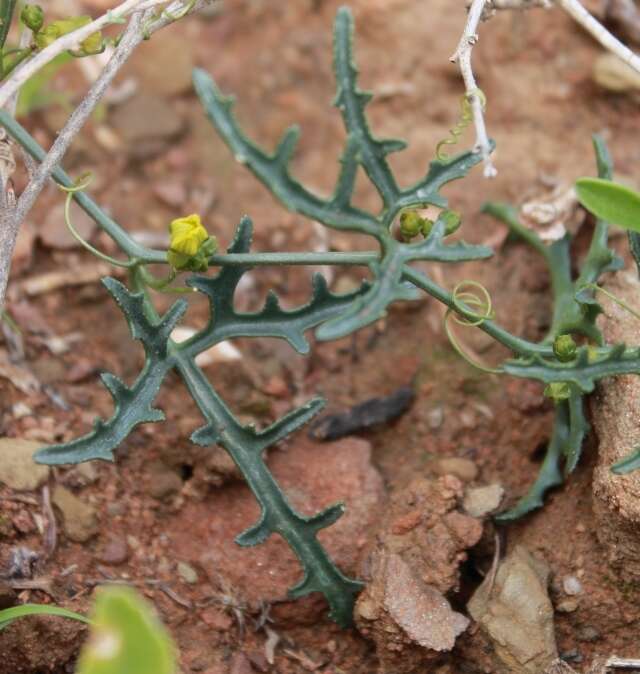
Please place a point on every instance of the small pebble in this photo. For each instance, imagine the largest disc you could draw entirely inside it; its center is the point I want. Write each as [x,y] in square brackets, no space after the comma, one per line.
[568,606]
[187,573]
[115,552]
[464,469]
[481,501]
[435,417]
[571,585]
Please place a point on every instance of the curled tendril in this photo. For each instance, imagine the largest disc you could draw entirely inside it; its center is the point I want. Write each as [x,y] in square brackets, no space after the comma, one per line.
[81,184]
[472,306]
[621,303]
[466,117]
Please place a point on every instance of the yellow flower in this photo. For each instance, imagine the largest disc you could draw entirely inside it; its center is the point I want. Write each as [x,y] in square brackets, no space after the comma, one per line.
[187,234]
[190,246]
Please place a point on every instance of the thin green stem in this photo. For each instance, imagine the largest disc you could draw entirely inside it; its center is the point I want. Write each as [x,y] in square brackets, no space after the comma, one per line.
[612,297]
[23,54]
[77,236]
[518,345]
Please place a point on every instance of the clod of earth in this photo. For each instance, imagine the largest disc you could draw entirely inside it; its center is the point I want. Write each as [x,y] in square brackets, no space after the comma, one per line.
[480,501]
[416,562]
[614,411]
[79,518]
[514,609]
[312,475]
[17,469]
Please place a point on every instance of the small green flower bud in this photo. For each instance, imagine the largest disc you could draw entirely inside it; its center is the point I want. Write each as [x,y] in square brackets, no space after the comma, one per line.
[557,391]
[411,224]
[53,31]
[564,348]
[94,44]
[33,17]
[452,220]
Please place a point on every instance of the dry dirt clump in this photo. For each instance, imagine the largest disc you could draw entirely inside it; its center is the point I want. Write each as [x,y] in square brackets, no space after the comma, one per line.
[513,607]
[614,410]
[414,564]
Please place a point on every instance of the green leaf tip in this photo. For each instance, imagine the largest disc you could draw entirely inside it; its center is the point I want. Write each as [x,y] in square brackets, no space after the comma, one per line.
[610,201]
[628,464]
[8,615]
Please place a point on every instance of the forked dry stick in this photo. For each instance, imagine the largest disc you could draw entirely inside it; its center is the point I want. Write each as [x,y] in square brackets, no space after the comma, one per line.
[577,12]
[462,56]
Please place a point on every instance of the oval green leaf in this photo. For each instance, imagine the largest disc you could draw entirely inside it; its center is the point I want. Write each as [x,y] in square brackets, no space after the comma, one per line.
[610,201]
[126,637]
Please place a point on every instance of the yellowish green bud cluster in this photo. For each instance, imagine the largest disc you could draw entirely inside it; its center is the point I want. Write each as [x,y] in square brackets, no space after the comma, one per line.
[564,348]
[190,246]
[412,223]
[557,391]
[33,17]
[93,44]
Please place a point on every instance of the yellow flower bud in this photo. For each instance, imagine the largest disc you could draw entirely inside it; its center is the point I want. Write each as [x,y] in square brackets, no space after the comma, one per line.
[190,246]
[187,234]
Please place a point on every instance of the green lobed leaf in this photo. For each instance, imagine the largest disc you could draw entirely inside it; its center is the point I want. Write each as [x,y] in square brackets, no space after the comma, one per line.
[246,445]
[132,405]
[272,320]
[549,475]
[610,201]
[126,637]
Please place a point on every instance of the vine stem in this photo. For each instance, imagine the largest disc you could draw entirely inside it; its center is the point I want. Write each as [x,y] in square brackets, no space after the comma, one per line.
[462,56]
[518,345]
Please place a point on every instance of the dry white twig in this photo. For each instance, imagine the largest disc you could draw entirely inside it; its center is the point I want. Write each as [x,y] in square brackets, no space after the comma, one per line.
[140,26]
[131,38]
[72,40]
[462,56]
[577,12]
[623,663]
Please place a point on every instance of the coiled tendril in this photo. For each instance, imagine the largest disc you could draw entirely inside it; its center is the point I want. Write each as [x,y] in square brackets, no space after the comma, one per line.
[472,306]
[466,117]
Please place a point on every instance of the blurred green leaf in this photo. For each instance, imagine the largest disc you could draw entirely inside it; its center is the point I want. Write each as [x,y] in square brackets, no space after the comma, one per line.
[6,14]
[126,637]
[629,463]
[8,615]
[35,93]
[610,201]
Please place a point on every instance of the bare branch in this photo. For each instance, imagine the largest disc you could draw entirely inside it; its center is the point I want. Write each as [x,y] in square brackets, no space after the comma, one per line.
[13,217]
[462,56]
[575,9]
[73,39]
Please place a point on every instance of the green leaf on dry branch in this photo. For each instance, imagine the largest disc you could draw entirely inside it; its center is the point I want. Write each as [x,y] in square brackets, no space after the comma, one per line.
[610,201]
